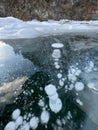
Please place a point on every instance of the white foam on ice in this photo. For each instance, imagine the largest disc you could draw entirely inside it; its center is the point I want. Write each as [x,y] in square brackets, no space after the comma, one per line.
[11,27]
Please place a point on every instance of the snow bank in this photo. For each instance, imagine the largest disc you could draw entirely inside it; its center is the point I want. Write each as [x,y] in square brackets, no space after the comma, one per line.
[11,27]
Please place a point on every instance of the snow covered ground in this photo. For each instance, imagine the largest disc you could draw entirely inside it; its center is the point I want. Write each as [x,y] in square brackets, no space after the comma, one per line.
[11,27]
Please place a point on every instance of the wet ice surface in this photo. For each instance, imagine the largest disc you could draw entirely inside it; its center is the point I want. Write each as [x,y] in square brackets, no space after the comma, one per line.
[71,66]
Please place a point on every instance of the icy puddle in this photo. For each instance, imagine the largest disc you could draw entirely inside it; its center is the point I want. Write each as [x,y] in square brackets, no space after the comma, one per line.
[49,83]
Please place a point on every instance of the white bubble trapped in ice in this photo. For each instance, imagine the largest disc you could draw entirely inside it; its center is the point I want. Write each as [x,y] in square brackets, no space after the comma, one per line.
[55,103]
[57,45]
[41,103]
[59,75]
[55,107]
[61,82]
[10,126]
[57,66]
[26,126]
[16,114]
[79,102]
[19,121]
[44,117]
[50,89]
[91,85]
[79,86]
[6,51]
[56,53]
[34,122]
[53,97]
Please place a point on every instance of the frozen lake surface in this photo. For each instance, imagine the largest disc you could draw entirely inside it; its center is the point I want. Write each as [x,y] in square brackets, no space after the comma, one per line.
[48,75]
[27,66]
